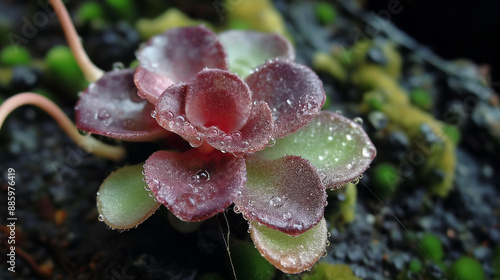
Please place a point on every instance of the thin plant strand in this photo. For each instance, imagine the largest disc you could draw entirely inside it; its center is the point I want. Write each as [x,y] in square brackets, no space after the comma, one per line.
[92,73]
[89,144]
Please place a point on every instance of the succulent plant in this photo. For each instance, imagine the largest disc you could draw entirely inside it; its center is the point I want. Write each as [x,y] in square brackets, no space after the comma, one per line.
[258,137]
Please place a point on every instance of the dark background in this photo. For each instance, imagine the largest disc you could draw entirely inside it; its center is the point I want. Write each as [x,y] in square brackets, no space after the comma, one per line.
[453,29]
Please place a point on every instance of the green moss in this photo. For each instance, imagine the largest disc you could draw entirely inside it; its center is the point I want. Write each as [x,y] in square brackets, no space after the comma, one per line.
[63,69]
[466,268]
[326,271]
[249,263]
[421,98]
[125,9]
[382,90]
[431,247]
[90,11]
[415,265]
[259,15]
[495,263]
[385,179]
[169,19]
[12,55]
[326,13]
[452,132]
[329,64]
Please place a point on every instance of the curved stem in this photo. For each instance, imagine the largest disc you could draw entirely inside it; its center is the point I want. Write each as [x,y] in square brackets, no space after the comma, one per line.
[87,143]
[91,72]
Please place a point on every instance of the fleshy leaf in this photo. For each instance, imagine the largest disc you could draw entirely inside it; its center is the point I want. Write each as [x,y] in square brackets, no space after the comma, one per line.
[285,194]
[337,146]
[254,136]
[248,49]
[218,98]
[122,200]
[294,93]
[195,186]
[111,107]
[290,254]
[176,56]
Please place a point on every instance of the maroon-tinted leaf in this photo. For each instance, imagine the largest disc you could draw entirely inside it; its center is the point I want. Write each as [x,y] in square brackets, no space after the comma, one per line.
[294,93]
[248,49]
[285,194]
[170,114]
[290,254]
[176,56]
[151,84]
[111,107]
[218,98]
[337,146]
[213,107]
[195,186]
[254,136]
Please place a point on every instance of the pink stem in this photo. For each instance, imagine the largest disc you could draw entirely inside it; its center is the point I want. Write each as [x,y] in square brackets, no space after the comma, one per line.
[91,72]
[87,143]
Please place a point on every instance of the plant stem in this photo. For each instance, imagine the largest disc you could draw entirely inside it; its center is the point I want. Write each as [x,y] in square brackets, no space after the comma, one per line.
[92,73]
[87,143]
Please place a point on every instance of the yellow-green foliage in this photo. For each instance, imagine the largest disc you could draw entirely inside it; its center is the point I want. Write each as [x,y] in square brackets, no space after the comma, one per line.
[383,90]
[348,206]
[259,15]
[169,19]
[330,64]
[326,271]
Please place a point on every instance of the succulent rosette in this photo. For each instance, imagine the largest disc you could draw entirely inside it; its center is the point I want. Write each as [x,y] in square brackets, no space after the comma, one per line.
[260,140]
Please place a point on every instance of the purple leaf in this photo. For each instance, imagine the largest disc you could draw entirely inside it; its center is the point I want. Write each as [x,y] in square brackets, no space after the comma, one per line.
[175,56]
[216,106]
[290,254]
[254,136]
[285,194]
[218,98]
[248,49]
[111,107]
[195,186]
[294,93]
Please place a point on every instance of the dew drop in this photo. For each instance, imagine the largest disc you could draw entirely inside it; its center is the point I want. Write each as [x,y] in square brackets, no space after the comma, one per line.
[100,218]
[368,151]
[103,114]
[146,187]
[271,142]
[180,119]
[289,102]
[348,137]
[355,181]
[237,136]
[213,133]
[287,216]
[196,142]
[201,176]
[118,65]
[339,112]
[236,209]
[130,124]
[83,132]
[330,138]
[153,114]
[358,120]
[276,201]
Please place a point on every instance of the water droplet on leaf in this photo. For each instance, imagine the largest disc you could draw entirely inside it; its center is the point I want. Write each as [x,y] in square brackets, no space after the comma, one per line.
[103,114]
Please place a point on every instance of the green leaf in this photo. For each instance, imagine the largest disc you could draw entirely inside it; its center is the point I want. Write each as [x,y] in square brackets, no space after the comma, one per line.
[290,254]
[248,49]
[337,146]
[122,200]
